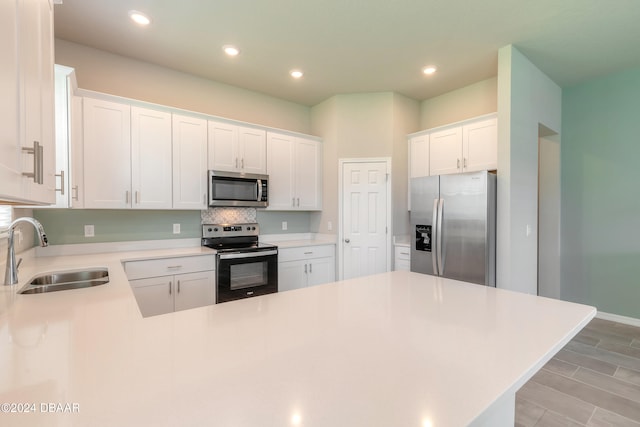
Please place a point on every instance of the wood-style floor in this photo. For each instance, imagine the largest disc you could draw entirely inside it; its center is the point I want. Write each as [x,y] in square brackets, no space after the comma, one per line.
[593,381]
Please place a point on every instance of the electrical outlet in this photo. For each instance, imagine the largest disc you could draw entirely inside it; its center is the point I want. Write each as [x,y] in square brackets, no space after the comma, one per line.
[89,231]
[176,228]
[329,225]
[284,225]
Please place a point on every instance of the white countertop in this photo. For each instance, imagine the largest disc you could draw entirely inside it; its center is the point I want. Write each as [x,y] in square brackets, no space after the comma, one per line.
[395,349]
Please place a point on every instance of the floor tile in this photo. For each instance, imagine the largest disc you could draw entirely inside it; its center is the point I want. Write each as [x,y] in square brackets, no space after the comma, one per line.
[551,419]
[628,375]
[556,401]
[604,355]
[527,413]
[595,396]
[609,384]
[586,361]
[561,367]
[602,418]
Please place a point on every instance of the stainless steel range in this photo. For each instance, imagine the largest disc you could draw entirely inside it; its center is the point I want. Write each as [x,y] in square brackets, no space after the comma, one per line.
[244,267]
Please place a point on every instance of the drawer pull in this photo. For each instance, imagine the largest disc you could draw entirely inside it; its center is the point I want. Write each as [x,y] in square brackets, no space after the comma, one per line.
[308,253]
[174,266]
[404,253]
[169,288]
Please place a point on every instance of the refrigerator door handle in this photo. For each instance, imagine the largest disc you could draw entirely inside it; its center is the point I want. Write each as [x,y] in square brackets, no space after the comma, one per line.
[439,238]
[434,234]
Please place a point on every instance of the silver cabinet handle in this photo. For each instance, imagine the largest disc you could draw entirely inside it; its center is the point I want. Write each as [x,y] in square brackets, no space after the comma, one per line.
[137,197]
[174,266]
[37,152]
[458,164]
[310,268]
[169,288]
[61,189]
[464,163]
[126,197]
[305,269]
[40,164]
[347,240]
[178,286]
[298,201]
[293,202]
[242,164]
[308,253]
[75,190]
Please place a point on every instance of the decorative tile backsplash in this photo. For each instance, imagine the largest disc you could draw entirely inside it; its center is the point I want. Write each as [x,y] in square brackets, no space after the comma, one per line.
[228,215]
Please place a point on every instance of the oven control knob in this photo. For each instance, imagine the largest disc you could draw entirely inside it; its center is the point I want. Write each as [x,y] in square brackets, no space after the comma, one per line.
[215,229]
[209,229]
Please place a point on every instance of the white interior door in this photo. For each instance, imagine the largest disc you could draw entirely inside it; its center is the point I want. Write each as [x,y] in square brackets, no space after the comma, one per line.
[365,212]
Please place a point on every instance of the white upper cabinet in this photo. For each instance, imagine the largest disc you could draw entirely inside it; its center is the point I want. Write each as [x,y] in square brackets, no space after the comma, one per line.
[467,146]
[294,166]
[107,154]
[27,144]
[189,162]
[151,153]
[235,148]
[419,156]
[445,151]
[480,145]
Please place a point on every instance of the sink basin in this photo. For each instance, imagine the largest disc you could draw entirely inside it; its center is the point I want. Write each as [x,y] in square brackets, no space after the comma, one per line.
[64,280]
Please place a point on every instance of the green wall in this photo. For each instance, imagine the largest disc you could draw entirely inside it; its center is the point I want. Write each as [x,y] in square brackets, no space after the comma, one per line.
[600,152]
[66,226]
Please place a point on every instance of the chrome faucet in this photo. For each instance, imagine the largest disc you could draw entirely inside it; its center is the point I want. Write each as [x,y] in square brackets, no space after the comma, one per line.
[11,274]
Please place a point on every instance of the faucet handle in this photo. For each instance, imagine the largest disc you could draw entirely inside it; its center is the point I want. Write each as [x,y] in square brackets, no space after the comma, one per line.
[18,264]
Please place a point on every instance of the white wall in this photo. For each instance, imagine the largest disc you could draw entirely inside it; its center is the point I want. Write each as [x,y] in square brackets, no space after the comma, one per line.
[118,75]
[364,125]
[526,99]
[464,103]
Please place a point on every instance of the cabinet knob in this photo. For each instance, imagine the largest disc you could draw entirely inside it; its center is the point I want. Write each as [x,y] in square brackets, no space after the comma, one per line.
[347,240]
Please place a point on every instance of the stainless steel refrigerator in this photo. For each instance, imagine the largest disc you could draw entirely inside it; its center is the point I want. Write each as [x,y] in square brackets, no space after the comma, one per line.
[453,220]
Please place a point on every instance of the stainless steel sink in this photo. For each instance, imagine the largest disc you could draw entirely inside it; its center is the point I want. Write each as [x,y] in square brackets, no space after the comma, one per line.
[64,280]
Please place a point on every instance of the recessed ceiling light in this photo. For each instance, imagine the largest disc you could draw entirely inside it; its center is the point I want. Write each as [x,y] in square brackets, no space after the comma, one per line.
[139,18]
[230,50]
[296,74]
[429,69]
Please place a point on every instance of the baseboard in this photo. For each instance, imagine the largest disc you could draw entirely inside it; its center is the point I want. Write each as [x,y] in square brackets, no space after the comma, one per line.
[617,318]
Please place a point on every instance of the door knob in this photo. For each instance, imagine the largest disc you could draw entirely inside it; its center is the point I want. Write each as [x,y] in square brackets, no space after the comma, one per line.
[347,240]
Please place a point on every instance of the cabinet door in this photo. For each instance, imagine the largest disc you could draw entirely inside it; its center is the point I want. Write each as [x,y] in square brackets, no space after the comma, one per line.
[194,290]
[419,156]
[308,178]
[445,151]
[253,143]
[150,159]
[321,270]
[223,147]
[35,36]
[480,145]
[280,149]
[155,295]
[10,147]
[291,275]
[189,163]
[107,156]
[76,178]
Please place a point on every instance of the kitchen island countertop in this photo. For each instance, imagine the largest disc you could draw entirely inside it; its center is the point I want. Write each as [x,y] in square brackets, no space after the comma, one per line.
[399,348]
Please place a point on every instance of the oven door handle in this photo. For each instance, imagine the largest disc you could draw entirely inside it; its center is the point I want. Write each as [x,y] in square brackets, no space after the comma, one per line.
[248,254]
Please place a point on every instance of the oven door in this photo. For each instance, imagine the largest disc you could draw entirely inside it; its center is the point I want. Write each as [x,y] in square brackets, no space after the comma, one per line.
[246,274]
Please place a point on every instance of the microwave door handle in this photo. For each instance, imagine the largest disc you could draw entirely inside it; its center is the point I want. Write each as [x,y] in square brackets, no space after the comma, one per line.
[259,190]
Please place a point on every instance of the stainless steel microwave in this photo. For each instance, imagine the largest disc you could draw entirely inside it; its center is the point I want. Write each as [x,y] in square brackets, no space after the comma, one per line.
[238,189]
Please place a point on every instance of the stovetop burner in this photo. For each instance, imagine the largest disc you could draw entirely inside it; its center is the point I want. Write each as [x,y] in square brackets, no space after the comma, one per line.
[233,237]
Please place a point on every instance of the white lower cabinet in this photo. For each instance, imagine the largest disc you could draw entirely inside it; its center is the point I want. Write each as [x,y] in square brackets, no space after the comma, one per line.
[402,258]
[172,284]
[306,266]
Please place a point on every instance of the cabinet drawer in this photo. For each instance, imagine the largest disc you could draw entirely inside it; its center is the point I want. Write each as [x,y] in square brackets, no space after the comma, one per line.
[402,253]
[306,252]
[168,266]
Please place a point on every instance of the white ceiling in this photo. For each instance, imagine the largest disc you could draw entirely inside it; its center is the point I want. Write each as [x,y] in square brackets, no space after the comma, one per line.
[347,46]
